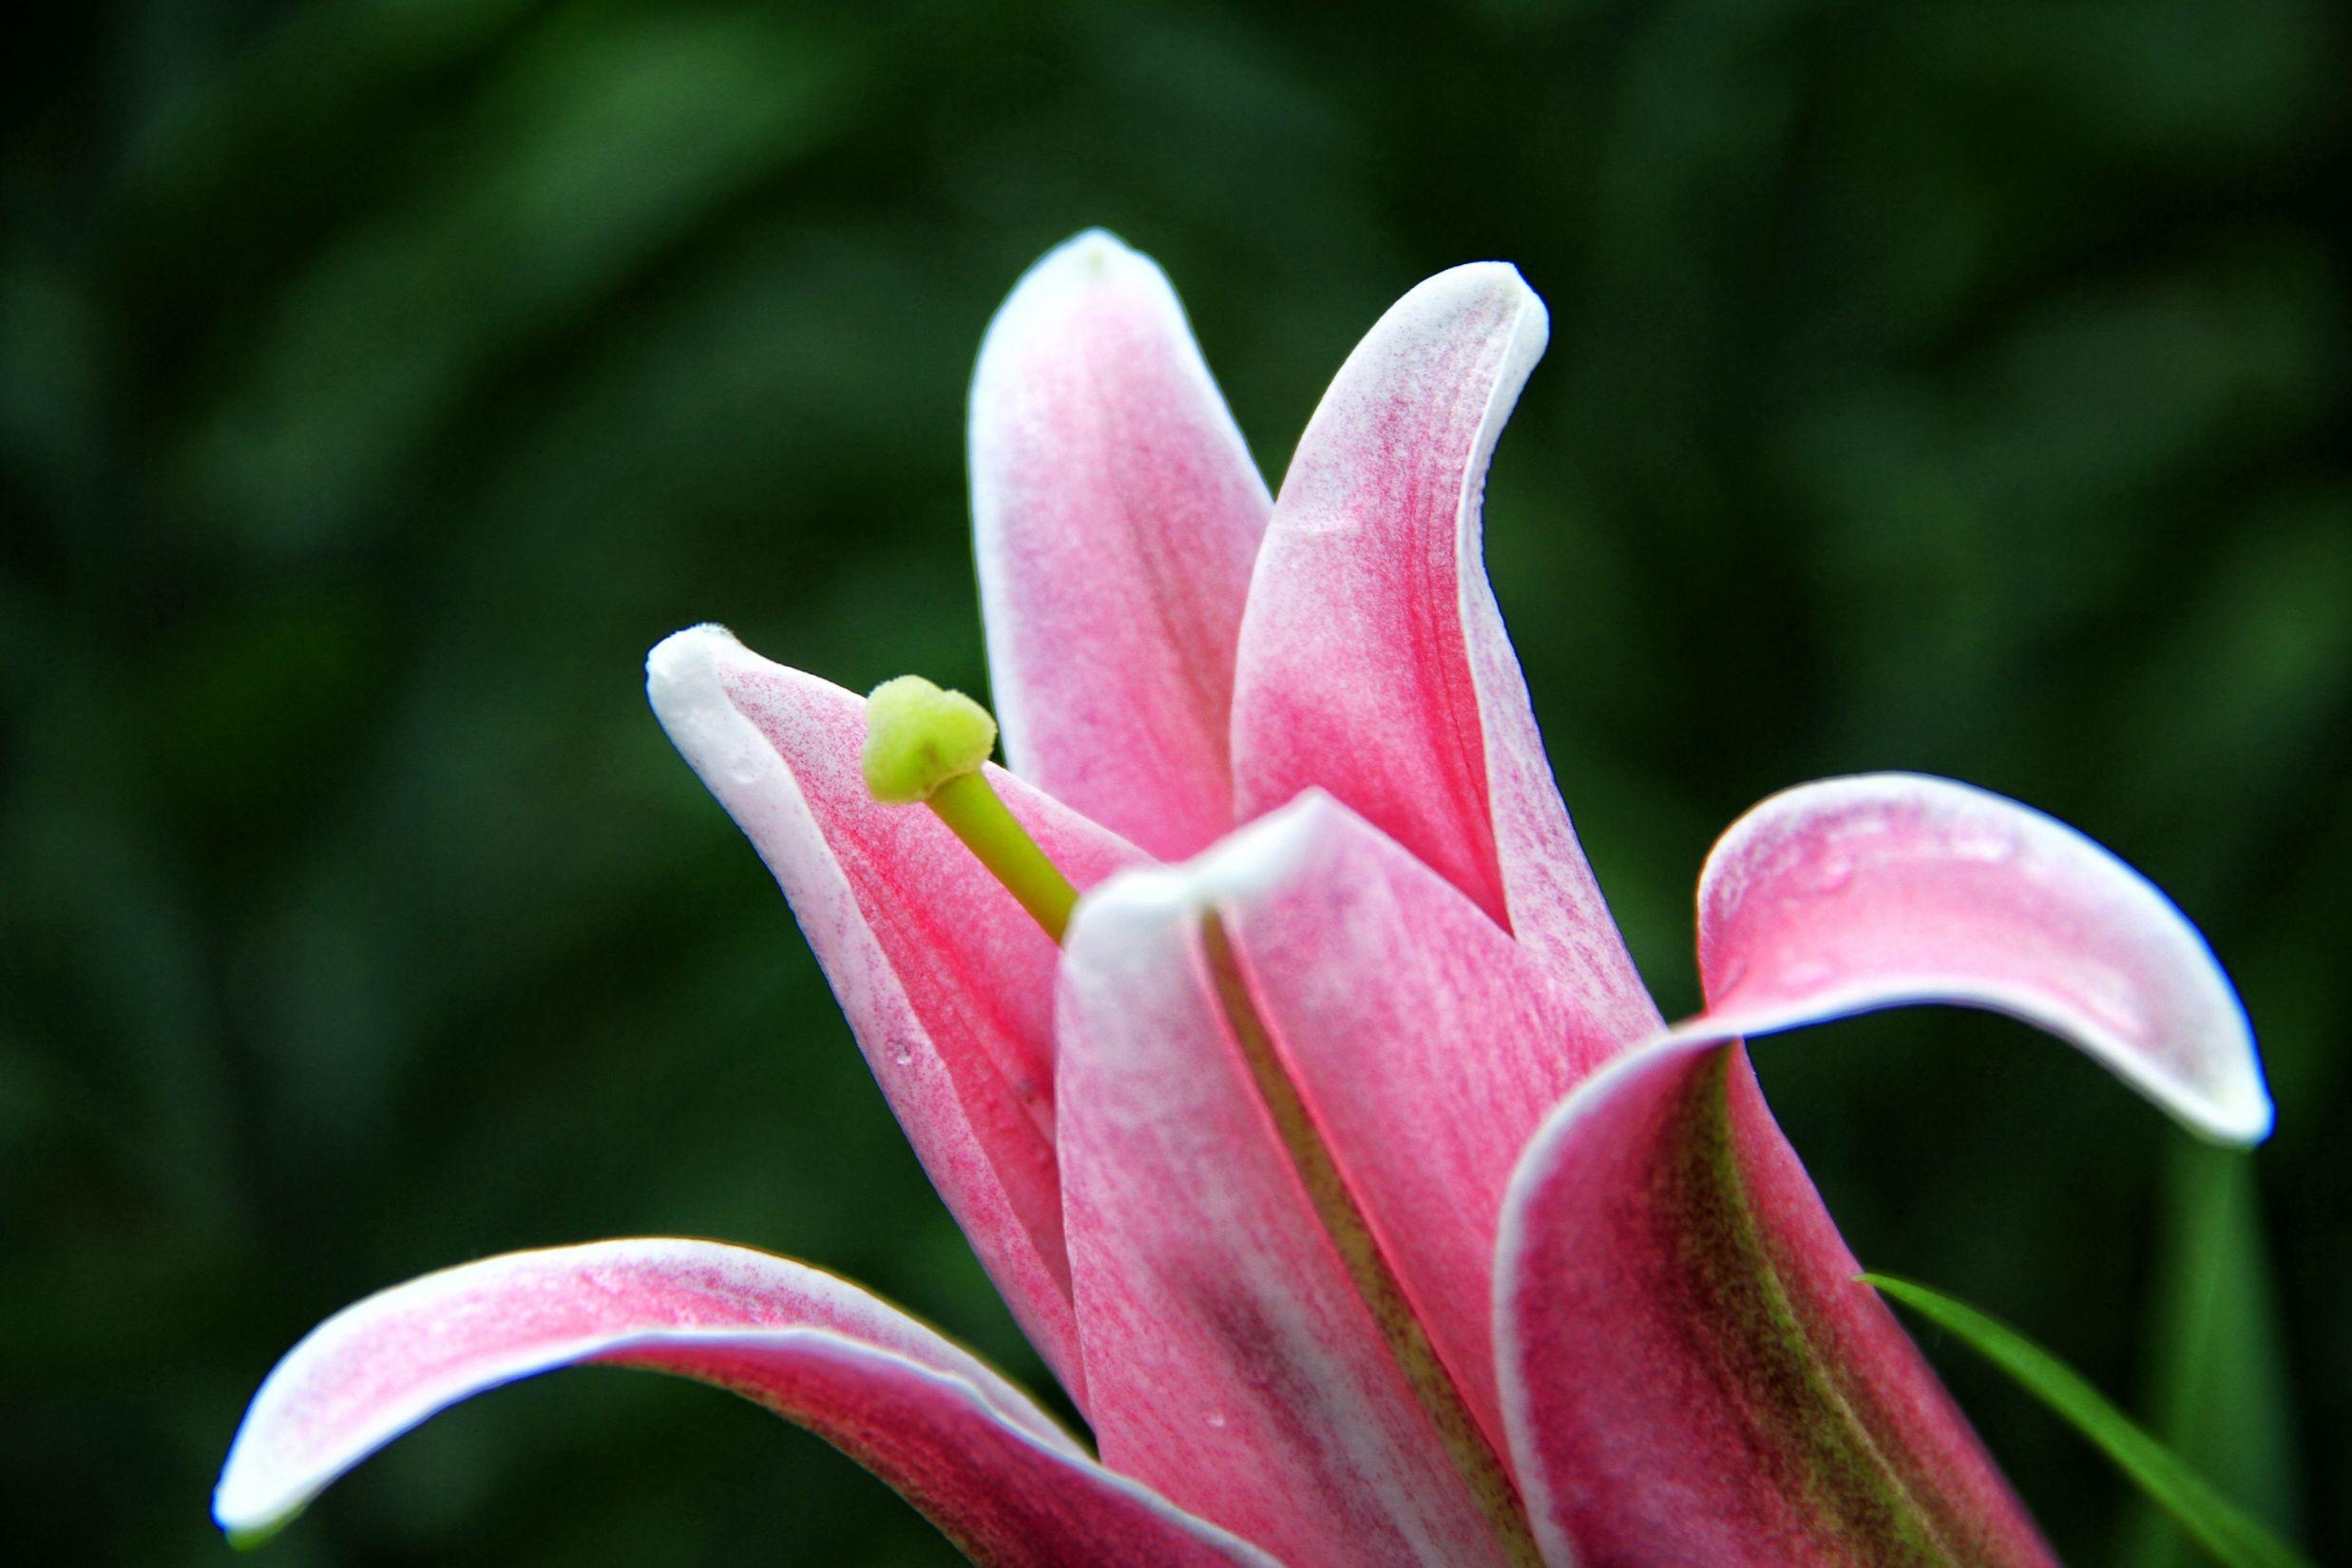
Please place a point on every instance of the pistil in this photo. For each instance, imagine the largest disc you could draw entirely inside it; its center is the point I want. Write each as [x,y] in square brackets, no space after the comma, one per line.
[928,745]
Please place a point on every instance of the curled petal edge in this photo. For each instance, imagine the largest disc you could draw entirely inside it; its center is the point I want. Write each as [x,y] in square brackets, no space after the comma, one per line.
[1851,895]
[973,1454]
[1373,658]
[1754,1403]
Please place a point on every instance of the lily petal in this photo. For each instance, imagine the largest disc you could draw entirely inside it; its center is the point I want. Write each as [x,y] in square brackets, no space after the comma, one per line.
[1876,891]
[1116,512]
[1373,659]
[1236,1365]
[1426,1083]
[1690,1369]
[1691,1372]
[946,984]
[964,1446]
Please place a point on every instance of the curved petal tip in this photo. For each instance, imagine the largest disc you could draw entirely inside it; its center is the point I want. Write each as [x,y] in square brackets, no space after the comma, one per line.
[1888,889]
[1475,286]
[700,1310]
[681,672]
[1116,513]
[1089,253]
[1057,281]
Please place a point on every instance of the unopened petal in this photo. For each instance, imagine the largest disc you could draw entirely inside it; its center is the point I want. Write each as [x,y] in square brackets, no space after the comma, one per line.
[1116,514]
[946,983]
[974,1454]
[1375,662]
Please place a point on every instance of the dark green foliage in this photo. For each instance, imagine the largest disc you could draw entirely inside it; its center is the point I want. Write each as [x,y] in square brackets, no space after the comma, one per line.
[1946,387]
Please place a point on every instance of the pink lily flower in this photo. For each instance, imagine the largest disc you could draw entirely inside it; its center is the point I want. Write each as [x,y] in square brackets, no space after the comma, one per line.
[1336,1158]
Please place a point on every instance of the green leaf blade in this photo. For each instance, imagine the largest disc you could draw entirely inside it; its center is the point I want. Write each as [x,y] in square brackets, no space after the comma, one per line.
[2224,1530]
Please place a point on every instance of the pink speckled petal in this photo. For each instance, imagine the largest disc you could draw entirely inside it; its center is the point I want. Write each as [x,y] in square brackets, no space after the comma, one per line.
[1689,1371]
[1116,514]
[1373,659]
[1427,1044]
[1234,1364]
[946,981]
[1890,889]
[964,1446]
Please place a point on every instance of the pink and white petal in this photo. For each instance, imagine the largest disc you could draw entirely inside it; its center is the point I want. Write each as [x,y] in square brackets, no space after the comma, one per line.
[1426,1043]
[1890,889]
[1235,1362]
[964,1446]
[1691,1372]
[1374,661]
[1116,512]
[946,984]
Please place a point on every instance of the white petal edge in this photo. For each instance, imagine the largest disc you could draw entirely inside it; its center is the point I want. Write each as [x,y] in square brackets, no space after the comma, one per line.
[260,1492]
[2209,1022]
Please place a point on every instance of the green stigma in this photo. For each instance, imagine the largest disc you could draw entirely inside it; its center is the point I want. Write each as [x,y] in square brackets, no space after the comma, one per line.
[927,745]
[918,738]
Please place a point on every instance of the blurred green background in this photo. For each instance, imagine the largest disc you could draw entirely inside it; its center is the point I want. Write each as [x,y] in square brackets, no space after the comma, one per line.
[1959,388]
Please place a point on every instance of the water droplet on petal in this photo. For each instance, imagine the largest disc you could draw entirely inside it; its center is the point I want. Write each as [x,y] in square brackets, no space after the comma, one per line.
[1217,1420]
[901,1059]
[2107,995]
[1991,845]
[1834,874]
[1806,973]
